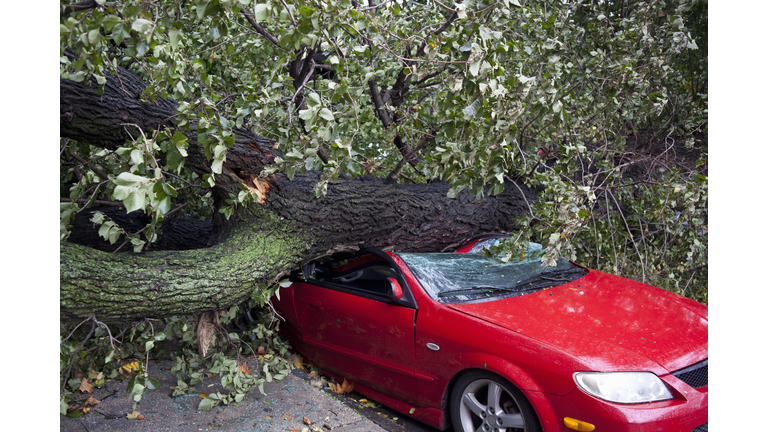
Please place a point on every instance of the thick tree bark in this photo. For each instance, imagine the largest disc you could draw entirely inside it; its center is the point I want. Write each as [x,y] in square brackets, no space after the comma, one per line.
[265,241]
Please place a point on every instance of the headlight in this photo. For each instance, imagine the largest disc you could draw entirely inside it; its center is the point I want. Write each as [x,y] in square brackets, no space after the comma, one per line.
[623,387]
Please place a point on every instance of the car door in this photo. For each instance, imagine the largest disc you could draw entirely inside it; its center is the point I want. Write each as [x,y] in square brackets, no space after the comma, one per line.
[351,328]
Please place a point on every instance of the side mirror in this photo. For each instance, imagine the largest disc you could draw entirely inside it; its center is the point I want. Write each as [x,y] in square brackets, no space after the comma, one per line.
[396,291]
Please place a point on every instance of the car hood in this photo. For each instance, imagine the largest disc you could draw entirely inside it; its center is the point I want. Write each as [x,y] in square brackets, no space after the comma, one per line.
[609,323]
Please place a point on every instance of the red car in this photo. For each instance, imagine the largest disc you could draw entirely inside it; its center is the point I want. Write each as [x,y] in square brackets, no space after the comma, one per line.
[459,339]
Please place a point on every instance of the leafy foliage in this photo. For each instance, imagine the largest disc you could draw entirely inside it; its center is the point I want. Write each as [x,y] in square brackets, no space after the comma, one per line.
[601,107]
[95,356]
[476,93]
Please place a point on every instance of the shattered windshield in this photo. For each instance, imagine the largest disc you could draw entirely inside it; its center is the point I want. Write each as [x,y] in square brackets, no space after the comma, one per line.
[467,277]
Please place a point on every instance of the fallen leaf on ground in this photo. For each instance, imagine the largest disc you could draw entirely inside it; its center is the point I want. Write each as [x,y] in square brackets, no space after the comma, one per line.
[202,395]
[92,401]
[135,416]
[244,369]
[86,386]
[344,387]
[130,367]
[307,422]
[287,417]
[261,350]
[75,413]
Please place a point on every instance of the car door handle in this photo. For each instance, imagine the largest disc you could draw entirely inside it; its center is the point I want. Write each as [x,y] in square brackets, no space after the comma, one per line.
[311,301]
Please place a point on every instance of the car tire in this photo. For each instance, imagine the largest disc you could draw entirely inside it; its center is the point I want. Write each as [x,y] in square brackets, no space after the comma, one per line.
[482,401]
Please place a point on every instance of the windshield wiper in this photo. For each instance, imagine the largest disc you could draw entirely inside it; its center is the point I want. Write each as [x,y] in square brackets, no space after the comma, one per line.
[546,278]
[481,288]
[533,283]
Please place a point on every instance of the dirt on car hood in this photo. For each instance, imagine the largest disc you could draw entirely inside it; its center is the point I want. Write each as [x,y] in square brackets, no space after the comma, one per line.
[610,323]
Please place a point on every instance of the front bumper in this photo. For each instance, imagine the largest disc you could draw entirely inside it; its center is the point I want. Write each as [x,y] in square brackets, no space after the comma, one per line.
[685,413]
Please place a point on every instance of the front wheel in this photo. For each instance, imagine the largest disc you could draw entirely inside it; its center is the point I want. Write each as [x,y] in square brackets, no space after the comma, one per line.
[485,402]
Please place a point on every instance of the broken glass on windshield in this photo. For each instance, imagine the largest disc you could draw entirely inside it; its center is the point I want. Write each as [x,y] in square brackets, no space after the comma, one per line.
[465,277]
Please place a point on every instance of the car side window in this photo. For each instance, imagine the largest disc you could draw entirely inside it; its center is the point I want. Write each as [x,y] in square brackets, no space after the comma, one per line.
[369,277]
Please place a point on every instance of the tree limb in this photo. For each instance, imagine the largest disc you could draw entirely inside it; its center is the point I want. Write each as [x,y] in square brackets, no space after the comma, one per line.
[81,6]
[410,156]
[260,29]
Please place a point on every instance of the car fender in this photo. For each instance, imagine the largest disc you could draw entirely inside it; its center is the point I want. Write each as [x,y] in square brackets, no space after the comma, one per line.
[500,366]
[519,378]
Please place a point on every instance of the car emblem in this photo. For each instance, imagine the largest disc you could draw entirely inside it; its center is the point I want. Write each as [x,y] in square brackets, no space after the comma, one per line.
[433,347]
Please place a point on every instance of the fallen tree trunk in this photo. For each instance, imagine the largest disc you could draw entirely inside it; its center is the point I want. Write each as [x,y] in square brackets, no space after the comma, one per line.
[261,243]
[267,241]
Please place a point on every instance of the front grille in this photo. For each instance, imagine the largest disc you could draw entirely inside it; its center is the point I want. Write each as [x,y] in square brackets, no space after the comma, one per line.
[702,428]
[695,375]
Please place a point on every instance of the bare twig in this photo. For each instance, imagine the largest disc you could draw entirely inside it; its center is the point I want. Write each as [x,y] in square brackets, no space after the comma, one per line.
[260,29]
[96,171]
[631,237]
[290,14]
[146,143]
[392,176]
[74,357]
[521,194]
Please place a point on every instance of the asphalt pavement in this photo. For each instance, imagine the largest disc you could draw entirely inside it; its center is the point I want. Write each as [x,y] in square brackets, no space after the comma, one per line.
[298,403]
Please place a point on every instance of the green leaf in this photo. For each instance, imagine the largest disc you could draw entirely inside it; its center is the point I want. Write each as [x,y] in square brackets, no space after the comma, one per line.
[474,68]
[306,114]
[174,35]
[141,25]
[93,36]
[219,154]
[104,230]
[136,200]
[326,114]
[153,384]
[128,179]
[110,21]
[261,12]
[206,404]
[314,99]
[141,48]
